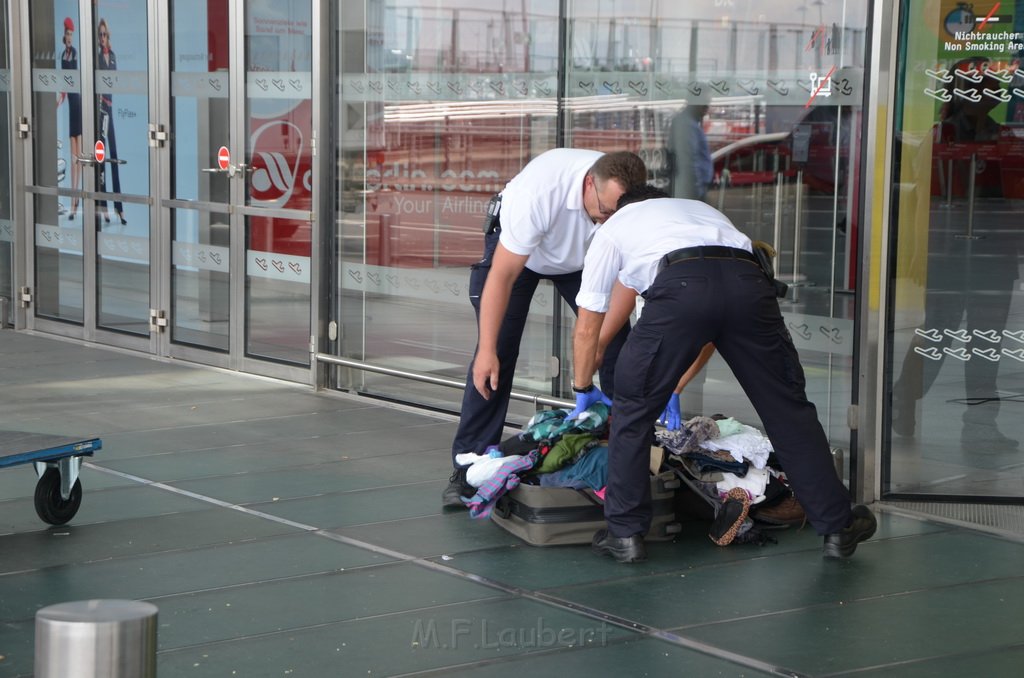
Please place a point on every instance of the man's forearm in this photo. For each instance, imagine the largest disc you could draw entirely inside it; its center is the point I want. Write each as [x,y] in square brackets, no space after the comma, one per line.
[493,304]
[623,301]
[494,299]
[702,359]
[584,346]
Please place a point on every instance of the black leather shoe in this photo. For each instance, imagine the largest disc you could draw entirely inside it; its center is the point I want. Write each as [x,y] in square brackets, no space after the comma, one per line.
[457,488]
[622,549]
[842,544]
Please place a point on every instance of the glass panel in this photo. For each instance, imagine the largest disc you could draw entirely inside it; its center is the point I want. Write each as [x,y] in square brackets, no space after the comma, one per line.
[201,112]
[200,299]
[59,264]
[757,112]
[277,295]
[279,101]
[279,175]
[201,107]
[6,187]
[122,139]
[440,107]
[57,99]
[122,277]
[957,342]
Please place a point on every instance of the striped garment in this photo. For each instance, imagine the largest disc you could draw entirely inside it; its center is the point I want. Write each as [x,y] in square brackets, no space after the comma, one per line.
[504,480]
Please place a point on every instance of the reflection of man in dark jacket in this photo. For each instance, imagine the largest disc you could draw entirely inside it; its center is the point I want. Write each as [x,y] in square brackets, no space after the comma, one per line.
[966,128]
[692,170]
[973,264]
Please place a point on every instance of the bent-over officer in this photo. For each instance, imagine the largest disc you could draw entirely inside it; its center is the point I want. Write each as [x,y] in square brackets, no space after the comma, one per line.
[538,229]
[701,284]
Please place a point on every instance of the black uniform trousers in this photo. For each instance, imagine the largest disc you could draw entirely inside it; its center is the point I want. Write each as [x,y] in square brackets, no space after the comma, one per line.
[731,303]
[482,421]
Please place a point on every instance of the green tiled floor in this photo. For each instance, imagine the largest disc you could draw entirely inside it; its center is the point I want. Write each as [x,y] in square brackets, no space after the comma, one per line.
[283,532]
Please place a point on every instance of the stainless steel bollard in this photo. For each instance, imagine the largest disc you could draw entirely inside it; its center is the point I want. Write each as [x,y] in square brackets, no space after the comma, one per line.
[96,639]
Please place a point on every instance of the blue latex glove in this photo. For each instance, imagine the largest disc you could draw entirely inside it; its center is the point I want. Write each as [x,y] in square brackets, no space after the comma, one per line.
[670,418]
[585,400]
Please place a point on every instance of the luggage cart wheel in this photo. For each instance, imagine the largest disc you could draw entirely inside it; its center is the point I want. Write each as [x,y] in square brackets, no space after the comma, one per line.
[50,506]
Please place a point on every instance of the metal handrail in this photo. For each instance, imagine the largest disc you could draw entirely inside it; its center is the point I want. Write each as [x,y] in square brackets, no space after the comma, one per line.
[752,140]
[534,398]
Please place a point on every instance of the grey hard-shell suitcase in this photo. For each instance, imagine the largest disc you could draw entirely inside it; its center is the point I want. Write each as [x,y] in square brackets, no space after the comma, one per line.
[555,516]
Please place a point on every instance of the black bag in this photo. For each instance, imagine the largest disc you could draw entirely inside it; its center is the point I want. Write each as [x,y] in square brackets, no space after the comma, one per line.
[554,516]
[764,253]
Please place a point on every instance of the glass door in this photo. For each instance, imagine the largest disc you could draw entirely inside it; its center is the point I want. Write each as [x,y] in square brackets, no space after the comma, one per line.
[6,183]
[91,166]
[201,173]
[239,193]
[757,111]
[956,339]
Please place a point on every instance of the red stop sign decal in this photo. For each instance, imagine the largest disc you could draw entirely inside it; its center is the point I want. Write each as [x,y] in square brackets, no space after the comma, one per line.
[100,151]
[223,157]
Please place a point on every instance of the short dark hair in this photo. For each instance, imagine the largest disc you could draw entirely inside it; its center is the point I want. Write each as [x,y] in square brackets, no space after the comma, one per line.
[639,194]
[624,166]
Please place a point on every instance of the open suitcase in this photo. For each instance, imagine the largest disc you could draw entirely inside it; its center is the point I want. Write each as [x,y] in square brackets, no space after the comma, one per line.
[554,516]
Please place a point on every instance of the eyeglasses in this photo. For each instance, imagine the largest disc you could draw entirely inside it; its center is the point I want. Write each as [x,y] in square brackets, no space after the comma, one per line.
[605,212]
[103,34]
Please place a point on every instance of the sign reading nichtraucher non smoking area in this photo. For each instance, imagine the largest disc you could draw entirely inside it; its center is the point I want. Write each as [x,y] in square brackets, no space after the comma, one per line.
[992,35]
[990,32]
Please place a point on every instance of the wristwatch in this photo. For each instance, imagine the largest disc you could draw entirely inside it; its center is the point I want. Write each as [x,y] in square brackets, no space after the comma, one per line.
[585,389]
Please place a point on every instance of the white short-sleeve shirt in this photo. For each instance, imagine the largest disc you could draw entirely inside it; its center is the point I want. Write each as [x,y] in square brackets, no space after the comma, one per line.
[633,240]
[542,212]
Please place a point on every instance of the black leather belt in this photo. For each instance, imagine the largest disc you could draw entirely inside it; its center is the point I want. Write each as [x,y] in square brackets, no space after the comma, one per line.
[705,252]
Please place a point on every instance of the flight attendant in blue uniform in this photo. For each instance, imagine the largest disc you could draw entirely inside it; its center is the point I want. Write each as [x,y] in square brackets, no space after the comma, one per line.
[69,62]
[106,60]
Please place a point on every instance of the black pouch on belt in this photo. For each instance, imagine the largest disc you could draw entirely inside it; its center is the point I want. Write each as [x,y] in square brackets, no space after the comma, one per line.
[492,220]
[764,253]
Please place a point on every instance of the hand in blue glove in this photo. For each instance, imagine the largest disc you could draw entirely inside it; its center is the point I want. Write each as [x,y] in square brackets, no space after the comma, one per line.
[671,418]
[585,400]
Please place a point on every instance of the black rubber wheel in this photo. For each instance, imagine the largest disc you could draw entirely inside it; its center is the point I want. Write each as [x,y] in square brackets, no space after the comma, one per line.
[50,507]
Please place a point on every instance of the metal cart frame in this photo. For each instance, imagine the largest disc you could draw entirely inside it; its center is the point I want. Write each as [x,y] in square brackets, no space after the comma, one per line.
[58,461]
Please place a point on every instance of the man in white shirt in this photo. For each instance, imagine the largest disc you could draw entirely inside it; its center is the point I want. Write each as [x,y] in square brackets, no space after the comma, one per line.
[548,214]
[701,285]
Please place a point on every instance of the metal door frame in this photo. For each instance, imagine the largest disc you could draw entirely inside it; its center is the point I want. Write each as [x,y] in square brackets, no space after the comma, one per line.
[237,211]
[158,70]
[87,330]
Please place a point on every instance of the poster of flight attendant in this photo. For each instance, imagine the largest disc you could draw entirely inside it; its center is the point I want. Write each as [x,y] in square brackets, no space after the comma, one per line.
[121,64]
[106,60]
[69,62]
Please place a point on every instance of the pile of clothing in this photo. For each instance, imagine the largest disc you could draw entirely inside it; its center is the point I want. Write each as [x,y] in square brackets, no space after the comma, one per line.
[728,464]
[733,467]
[551,450]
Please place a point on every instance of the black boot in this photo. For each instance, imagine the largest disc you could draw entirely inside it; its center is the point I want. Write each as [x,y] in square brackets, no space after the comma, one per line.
[622,549]
[842,544]
[457,488]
